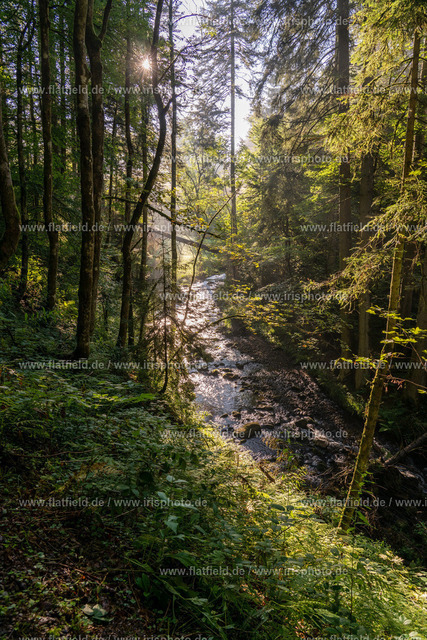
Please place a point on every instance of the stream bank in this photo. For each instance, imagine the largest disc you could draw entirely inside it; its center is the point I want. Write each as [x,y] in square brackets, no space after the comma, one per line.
[252,393]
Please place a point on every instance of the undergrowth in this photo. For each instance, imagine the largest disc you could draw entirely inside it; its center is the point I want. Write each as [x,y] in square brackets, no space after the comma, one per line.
[172,530]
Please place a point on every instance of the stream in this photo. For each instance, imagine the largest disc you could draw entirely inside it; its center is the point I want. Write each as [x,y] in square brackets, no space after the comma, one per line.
[239,398]
[251,393]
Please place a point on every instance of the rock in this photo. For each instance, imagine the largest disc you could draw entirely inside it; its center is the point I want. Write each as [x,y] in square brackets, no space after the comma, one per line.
[240,365]
[215,372]
[301,423]
[224,415]
[321,441]
[231,376]
[248,430]
[335,446]
[236,414]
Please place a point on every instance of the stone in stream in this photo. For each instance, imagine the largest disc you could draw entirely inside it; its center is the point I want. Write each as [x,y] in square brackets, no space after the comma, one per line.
[269,426]
[224,415]
[248,430]
[304,422]
[236,414]
[231,376]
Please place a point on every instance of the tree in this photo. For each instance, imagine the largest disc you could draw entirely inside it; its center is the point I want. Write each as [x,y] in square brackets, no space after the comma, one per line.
[46,111]
[10,238]
[375,397]
[148,186]
[86,181]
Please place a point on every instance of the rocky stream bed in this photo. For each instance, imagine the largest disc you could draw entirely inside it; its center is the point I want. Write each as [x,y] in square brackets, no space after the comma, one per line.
[252,393]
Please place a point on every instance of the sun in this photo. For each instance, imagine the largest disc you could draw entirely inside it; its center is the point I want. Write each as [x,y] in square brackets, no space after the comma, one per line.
[145,64]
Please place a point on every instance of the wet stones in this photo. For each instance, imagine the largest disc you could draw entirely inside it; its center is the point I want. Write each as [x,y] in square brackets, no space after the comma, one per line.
[229,375]
[248,430]
[304,422]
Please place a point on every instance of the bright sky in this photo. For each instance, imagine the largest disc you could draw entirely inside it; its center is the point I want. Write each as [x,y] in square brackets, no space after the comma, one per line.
[189,27]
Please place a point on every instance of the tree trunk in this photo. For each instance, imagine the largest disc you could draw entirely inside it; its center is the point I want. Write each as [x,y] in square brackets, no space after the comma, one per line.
[233,216]
[21,162]
[111,179]
[174,253]
[129,145]
[86,182]
[418,377]
[46,107]
[343,82]
[35,141]
[366,199]
[63,108]
[94,46]
[129,164]
[10,238]
[127,240]
[375,398]
[144,243]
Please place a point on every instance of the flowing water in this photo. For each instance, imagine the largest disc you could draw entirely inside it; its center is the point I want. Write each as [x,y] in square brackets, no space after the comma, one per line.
[289,410]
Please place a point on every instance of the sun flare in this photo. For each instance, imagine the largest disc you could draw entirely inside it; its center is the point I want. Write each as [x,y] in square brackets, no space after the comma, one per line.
[145,64]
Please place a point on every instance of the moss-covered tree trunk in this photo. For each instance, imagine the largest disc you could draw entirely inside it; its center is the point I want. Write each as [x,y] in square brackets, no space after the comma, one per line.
[366,199]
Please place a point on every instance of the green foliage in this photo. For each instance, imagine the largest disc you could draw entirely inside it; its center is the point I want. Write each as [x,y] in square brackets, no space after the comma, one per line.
[206,541]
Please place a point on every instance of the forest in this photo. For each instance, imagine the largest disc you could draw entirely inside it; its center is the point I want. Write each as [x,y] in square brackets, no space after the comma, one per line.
[213,319]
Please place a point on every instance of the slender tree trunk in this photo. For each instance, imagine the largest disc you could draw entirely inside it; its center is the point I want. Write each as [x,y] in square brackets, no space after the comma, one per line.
[46,106]
[129,145]
[131,330]
[375,398]
[111,170]
[34,135]
[10,238]
[63,108]
[418,377]
[174,252]
[86,182]
[127,240]
[366,199]
[343,82]
[129,163]
[408,280]
[94,46]
[21,163]
[144,243]
[233,216]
